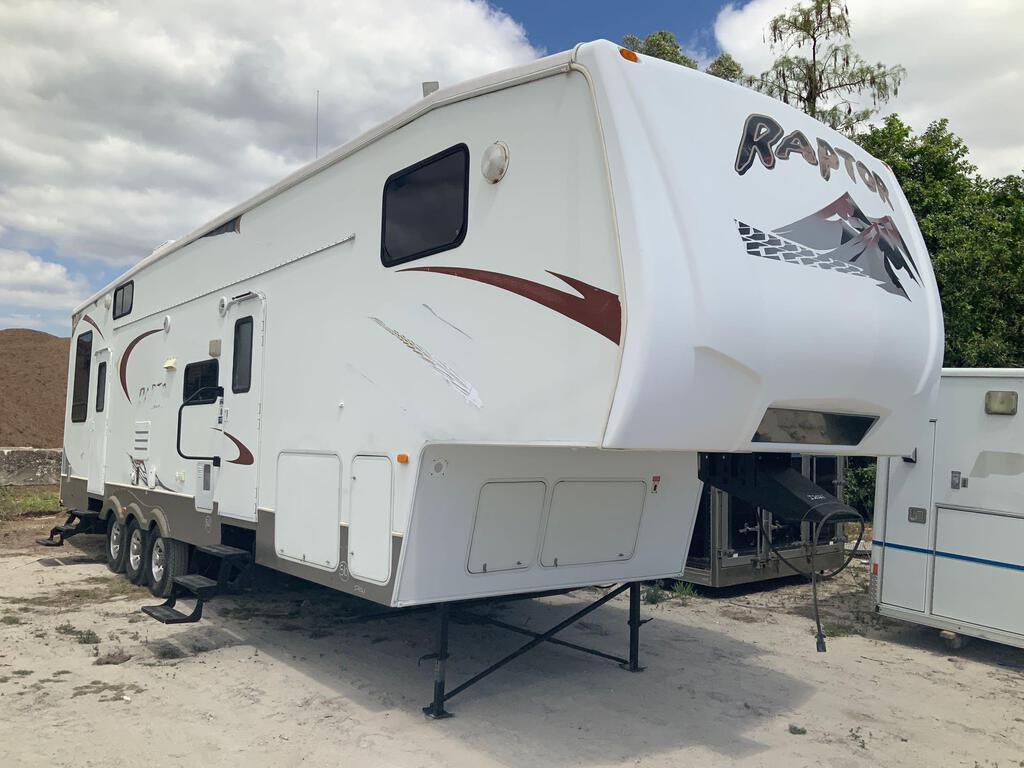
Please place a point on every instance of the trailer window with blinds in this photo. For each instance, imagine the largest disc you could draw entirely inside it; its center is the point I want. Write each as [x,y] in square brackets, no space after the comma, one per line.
[241,364]
[426,207]
[80,387]
[200,387]
[124,297]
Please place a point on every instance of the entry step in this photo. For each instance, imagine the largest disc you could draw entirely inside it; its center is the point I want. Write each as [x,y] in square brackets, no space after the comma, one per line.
[84,522]
[224,552]
[167,614]
[198,585]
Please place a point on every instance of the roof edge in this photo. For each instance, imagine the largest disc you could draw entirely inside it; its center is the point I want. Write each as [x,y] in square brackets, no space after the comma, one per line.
[478,86]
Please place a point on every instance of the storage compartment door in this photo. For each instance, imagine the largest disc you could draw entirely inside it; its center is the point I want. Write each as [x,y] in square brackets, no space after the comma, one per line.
[908,520]
[507,526]
[306,513]
[593,521]
[979,569]
[369,535]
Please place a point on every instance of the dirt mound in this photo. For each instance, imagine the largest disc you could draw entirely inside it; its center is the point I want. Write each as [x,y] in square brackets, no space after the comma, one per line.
[33,382]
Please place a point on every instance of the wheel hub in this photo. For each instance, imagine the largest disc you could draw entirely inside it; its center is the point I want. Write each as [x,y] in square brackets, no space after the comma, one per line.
[116,534]
[159,559]
[135,549]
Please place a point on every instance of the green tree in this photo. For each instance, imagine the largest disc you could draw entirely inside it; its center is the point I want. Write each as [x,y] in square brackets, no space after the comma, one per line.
[817,69]
[726,67]
[661,45]
[974,230]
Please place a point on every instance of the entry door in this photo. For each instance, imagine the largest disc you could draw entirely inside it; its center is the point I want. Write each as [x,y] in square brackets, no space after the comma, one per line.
[369,535]
[242,360]
[98,421]
[906,555]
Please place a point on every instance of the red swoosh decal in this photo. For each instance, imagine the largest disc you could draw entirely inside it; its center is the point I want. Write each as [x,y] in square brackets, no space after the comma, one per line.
[595,308]
[245,456]
[92,322]
[123,367]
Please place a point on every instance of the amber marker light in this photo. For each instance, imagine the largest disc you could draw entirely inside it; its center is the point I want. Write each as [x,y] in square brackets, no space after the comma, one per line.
[403,458]
[628,55]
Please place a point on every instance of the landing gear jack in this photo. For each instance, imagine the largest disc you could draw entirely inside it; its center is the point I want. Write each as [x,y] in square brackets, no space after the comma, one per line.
[445,611]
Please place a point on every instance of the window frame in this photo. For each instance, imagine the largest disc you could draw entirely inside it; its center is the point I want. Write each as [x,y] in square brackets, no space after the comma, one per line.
[80,399]
[234,355]
[385,257]
[118,310]
[101,387]
[206,399]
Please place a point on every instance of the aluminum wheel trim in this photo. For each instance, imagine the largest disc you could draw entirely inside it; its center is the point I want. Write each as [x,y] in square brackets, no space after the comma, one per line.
[116,534]
[135,549]
[159,560]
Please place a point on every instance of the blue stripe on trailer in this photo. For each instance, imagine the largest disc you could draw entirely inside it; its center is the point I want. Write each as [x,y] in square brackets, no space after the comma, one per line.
[951,555]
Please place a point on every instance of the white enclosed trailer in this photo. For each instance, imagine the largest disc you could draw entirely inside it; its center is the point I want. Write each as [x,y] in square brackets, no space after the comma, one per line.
[949,517]
[476,351]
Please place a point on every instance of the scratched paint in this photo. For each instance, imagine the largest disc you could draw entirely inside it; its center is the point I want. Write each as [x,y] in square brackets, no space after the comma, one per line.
[450,324]
[464,388]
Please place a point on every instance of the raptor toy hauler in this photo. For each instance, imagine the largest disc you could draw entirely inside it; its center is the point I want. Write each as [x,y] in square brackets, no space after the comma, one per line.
[949,517]
[476,351]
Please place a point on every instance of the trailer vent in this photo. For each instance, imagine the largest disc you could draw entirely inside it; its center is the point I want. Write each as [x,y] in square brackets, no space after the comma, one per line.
[140,443]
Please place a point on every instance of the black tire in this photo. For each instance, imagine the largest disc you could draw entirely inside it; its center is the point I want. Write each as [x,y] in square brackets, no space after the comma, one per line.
[137,547]
[166,559]
[115,528]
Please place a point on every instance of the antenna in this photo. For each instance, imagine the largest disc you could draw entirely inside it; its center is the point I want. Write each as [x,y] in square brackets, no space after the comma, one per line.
[316,134]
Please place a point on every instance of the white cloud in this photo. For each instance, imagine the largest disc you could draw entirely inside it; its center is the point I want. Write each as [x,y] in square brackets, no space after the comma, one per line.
[126,124]
[30,281]
[963,61]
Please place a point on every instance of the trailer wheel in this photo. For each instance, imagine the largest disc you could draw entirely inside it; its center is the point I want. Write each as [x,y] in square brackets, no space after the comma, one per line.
[116,544]
[137,545]
[167,558]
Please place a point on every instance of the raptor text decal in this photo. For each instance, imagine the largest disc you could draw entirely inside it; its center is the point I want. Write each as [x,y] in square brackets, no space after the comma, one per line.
[765,140]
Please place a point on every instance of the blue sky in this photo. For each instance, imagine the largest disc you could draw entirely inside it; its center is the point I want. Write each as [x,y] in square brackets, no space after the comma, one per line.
[557,26]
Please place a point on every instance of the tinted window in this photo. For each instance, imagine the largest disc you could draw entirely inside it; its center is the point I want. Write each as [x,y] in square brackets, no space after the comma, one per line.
[123,298]
[425,207]
[80,388]
[101,387]
[241,365]
[786,425]
[201,382]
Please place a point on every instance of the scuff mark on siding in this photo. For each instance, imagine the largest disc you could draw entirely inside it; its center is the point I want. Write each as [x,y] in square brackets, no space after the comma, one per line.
[452,325]
[464,388]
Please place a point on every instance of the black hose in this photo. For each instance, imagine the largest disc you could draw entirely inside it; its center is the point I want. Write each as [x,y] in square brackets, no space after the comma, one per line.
[813,574]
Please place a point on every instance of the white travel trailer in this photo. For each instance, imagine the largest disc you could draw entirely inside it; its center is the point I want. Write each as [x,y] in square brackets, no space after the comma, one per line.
[476,350]
[949,517]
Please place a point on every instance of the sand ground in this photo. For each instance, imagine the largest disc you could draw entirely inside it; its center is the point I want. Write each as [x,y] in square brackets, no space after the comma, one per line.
[277,680]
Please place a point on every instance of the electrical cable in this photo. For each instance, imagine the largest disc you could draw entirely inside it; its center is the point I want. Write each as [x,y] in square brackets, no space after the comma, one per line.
[813,574]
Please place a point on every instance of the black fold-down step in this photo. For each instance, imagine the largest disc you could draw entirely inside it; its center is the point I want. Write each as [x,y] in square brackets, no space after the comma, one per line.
[224,552]
[166,613]
[86,522]
[198,585]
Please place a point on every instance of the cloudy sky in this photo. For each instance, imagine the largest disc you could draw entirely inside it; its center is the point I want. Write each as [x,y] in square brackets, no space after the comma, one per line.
[126,124]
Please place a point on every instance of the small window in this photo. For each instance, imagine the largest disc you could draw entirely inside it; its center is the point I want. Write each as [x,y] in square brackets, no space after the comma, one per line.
[80,388]
[426,207]
[200,387]
[123,298]
[241,365]
[101,387]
